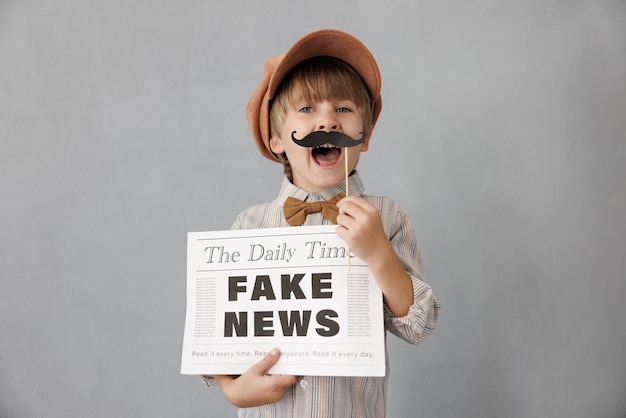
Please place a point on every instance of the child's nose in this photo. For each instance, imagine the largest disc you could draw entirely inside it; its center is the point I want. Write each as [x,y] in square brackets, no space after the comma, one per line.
[328,122]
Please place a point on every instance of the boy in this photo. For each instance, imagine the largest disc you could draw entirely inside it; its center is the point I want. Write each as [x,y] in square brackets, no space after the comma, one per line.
[329,82]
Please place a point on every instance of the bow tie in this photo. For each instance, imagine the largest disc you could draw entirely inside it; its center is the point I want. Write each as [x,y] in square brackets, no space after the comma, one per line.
[296,211]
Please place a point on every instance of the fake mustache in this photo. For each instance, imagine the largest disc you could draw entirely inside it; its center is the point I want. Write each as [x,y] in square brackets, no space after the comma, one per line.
[318,138]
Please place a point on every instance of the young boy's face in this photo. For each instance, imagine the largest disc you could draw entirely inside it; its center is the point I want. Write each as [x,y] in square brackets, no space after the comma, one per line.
[316,169]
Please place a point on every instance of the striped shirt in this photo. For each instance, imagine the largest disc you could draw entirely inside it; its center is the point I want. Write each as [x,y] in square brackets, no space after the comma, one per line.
[358,397]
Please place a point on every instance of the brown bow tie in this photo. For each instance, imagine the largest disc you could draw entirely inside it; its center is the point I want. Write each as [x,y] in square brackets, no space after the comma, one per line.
[296,210]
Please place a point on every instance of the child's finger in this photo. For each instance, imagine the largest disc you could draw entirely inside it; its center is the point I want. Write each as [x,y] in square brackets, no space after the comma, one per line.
[283,380]
[262,367]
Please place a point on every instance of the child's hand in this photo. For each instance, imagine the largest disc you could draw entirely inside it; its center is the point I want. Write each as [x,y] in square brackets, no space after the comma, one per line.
[255,387]
[361,228]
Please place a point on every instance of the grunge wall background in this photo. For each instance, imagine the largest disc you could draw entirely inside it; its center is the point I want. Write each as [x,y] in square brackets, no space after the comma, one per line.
[122,127]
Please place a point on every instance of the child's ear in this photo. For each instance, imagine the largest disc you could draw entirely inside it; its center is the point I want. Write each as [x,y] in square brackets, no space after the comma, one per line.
[366,142]
[276,144]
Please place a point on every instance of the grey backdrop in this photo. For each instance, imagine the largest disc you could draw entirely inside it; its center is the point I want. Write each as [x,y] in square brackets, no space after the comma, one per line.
[503,133]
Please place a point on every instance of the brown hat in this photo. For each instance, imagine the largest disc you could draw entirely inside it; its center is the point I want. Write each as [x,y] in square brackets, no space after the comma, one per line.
[327,42]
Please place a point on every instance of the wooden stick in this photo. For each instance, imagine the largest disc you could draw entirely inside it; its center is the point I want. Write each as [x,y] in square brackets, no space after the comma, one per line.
[346,164]
[347,193]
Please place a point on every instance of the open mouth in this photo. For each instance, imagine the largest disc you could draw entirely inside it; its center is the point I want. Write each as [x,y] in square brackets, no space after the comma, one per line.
[326,155]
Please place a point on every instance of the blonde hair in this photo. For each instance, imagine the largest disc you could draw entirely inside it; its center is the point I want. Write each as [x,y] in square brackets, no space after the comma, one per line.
[317,79]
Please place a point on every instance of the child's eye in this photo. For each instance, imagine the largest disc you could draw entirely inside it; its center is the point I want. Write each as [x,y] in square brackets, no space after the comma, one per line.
[344,109]
[306,109]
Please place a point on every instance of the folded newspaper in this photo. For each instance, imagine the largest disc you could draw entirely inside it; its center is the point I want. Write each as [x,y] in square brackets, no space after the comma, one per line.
[298,289]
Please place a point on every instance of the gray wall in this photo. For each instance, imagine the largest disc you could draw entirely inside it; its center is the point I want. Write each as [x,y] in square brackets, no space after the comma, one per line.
[503,134]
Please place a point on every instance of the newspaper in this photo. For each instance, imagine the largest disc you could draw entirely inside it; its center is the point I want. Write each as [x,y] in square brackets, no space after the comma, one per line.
[299,289]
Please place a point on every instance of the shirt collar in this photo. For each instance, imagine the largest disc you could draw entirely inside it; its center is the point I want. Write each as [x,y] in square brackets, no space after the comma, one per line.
[355,187]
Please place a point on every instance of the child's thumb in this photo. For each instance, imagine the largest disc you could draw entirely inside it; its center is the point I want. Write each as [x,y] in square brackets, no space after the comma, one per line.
[261,368]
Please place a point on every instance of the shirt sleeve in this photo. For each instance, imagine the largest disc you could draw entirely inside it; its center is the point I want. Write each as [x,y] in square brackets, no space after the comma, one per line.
[422,317]
[209,380]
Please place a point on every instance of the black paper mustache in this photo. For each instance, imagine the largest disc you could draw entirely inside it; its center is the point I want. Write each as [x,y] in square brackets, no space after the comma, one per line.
[317,138]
